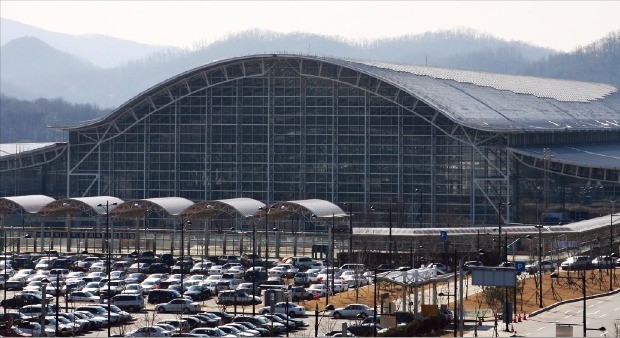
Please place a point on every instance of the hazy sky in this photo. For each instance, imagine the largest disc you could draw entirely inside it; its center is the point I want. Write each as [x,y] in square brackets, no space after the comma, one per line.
[562,25]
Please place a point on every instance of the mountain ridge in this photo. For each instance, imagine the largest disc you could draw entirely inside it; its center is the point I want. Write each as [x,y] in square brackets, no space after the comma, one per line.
[91,47]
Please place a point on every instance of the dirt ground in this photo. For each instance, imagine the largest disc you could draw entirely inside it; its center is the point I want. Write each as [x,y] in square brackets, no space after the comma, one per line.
[556,290]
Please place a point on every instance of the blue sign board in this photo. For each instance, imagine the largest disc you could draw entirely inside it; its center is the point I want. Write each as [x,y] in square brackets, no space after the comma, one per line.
[519,266]
[444,235]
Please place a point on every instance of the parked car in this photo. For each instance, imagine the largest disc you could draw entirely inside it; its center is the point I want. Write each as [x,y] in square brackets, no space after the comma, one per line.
[178,305]
[198,292]
[545,266]
[576,263]
[149,331]
[318,289]
[472,264]
[82,296]
[236,297]
[353,311]
[128,302]
[20,300]
[290,308]
[440,266]
[134,289]
[603,262]
[300,293]
[162,296]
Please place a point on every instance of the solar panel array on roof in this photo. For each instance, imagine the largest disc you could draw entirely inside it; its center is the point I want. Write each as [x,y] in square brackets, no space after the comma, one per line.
[561,90]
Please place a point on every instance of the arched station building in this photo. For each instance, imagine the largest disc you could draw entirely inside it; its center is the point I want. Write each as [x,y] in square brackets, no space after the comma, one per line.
[427,147]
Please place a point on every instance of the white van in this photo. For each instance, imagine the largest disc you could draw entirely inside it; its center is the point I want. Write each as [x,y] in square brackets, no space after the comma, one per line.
[303,262]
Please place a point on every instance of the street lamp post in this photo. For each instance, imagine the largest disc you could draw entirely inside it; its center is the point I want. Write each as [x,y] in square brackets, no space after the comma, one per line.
[266,210]
[350,205]
[389,210]
[540,287]
[109,258]
[182,265]
[502,253]
[612,265]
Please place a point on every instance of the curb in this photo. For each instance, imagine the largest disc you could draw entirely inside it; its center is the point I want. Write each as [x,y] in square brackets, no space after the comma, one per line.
[547,308]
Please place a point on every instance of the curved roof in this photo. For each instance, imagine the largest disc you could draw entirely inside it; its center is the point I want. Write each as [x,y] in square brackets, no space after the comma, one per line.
[314,207]
[30,203]
[484,101]
[236,207]
[97,204]
[512,229]
[172,206]
[586,155]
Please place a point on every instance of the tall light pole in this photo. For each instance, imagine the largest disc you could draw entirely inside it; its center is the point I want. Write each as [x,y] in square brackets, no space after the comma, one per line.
[540,287]
[389,210]
[265,209]
[612,265]
[182,265]
[350,205]
[109,259]
[254,272]
[502,254]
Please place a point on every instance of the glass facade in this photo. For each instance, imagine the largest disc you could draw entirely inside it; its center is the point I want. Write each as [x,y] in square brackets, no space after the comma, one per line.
[280,129]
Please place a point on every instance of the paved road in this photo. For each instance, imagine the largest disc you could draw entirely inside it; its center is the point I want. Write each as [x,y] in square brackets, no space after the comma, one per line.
[602,311]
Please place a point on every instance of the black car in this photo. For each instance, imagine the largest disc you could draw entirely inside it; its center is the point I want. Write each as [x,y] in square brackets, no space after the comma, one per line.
[159,268]
[168,259]
[20,300]
[225,316]
[183,267]
[22,263]
[198,292]
[162,296]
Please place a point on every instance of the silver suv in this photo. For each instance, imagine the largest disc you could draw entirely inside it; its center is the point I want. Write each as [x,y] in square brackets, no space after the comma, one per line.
[128,302]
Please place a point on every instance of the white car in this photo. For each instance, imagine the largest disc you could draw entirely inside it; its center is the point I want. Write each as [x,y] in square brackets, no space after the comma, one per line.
[353,311]
[33,286]
[76,274]
[150,284]
[97,274]
[98,267]
[339,285]
[149,331]
[178,305]
[82,296]
[134,289]
[39,276]
[319,289]
[293,309]
[26,273]
[92,287]
[215,270]
[277,271]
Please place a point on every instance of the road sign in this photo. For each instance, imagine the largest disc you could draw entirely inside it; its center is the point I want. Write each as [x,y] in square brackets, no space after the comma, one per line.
[519,266]
[444,235]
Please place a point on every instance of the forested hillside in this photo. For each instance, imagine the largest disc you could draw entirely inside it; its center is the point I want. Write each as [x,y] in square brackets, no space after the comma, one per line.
[26,121]
[596,62]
